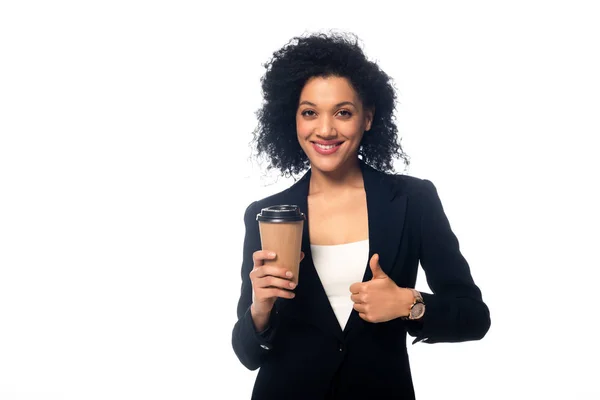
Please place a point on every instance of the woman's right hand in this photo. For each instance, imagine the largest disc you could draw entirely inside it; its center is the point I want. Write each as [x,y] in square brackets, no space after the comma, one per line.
[268,283]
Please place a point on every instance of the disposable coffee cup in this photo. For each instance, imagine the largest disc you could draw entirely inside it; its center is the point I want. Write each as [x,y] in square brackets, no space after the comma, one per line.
[281,231]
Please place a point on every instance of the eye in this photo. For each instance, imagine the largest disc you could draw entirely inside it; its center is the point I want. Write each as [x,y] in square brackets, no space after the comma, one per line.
[347,113]
[305,113]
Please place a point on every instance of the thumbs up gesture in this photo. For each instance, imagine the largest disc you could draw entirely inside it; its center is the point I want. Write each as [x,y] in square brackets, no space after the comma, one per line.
[376,268]
[380,299]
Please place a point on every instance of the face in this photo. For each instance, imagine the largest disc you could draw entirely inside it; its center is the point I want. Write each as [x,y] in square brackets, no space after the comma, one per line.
[330,123]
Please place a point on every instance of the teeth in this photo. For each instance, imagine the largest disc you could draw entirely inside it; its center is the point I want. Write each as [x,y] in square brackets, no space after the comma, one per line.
[331,146]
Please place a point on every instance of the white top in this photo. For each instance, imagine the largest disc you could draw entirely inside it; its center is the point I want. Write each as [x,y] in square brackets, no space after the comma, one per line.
[338,267]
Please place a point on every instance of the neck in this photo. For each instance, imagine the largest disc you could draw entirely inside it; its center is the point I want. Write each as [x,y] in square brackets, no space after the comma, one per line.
[347,177]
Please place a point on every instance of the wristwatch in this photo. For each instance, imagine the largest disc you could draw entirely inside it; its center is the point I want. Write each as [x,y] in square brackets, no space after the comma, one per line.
[417,310]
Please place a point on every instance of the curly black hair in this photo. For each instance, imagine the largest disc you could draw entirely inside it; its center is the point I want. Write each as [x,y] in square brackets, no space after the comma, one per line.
[323,55]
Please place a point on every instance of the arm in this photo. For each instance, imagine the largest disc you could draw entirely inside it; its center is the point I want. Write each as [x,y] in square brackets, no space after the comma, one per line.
[249,345]
[455,312]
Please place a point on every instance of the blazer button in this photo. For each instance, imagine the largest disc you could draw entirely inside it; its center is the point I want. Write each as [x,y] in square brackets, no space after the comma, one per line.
[265,347]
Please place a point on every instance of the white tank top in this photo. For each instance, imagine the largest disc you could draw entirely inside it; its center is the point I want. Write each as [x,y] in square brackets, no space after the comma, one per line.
[338,267]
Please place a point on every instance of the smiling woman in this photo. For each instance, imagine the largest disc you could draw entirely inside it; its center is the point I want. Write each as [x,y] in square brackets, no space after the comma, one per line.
[337,330]
[326,84]
[331,120]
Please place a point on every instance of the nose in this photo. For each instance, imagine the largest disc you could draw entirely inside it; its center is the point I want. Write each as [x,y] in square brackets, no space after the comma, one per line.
[325,127]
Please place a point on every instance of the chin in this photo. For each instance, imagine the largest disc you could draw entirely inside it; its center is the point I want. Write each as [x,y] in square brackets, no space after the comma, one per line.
[326,165]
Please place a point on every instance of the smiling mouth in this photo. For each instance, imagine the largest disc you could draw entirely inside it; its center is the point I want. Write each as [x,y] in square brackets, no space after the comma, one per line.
[327,146]
[327,143]
[326,149]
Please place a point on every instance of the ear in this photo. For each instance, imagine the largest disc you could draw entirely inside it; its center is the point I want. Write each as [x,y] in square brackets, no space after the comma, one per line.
[369,114]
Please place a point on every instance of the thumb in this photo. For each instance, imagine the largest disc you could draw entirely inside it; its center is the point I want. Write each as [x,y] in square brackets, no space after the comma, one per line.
[376,268]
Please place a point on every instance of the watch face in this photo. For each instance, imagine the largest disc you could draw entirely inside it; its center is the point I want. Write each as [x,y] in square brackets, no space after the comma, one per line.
[417,311]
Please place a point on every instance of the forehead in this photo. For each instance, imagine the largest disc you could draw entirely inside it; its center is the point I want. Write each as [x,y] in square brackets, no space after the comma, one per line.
[329,90]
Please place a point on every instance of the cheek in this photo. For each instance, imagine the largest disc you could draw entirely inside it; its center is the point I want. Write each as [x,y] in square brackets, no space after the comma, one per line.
[354,129]
[302,128]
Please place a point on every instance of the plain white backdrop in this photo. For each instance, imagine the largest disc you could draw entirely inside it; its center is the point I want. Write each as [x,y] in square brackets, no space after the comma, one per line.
[124,175]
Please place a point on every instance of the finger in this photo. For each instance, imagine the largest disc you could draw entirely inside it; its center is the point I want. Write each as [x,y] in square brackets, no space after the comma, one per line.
[357,298]
[356,288]
[376,268]
[259,256]
[274,282]
[273,292]
[361,308]
[301,255]
[364,316]
[271,270]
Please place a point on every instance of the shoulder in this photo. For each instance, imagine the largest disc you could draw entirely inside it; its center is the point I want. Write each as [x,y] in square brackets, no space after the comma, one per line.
[411,185]
[290,195]
[255,206]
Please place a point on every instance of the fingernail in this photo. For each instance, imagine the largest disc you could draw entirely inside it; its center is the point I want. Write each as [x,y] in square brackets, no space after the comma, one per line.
[272,254]
[292,285]
[288,274]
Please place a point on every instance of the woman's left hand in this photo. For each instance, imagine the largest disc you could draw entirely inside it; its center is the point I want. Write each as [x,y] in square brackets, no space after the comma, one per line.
[380,299]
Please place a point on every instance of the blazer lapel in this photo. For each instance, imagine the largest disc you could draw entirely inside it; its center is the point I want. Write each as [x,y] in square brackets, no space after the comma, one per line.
[311,304]
[386,211]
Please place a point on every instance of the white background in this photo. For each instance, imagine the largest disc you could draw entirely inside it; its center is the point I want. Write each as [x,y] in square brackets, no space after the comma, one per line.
[124,176]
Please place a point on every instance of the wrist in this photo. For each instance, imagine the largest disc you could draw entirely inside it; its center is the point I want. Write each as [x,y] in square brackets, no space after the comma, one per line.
[417,310]
[260,318]
[405,302]
[412,306]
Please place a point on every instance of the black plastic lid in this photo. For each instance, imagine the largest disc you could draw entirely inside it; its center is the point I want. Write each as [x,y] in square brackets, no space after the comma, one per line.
[280,213]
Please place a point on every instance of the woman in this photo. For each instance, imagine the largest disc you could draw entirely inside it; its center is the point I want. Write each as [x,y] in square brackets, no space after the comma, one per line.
[341,333]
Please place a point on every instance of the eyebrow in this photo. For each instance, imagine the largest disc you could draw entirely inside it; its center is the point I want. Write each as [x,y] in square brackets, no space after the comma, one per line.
[343,103]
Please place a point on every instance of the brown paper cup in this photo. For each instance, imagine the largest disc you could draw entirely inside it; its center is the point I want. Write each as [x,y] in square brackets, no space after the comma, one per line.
[281,229]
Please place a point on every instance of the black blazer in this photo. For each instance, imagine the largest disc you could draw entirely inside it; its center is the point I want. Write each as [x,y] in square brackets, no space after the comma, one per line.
[305,354]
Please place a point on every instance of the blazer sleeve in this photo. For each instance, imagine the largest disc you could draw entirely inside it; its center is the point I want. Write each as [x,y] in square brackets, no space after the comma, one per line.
[250,346]
[455,312]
